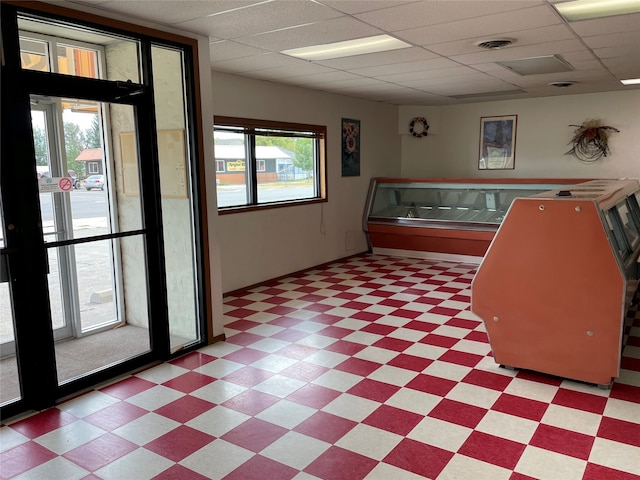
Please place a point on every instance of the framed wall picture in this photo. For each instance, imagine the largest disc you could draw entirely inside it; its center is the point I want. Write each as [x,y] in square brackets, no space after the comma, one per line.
[498,143]
[350,147]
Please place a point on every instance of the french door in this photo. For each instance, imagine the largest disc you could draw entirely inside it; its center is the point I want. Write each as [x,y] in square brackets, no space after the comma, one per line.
[87,198]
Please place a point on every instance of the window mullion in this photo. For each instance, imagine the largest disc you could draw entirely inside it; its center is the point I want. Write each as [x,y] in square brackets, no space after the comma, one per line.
[252,169]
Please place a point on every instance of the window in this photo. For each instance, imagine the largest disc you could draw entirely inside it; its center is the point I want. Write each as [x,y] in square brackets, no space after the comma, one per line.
[268,163]
[93,167]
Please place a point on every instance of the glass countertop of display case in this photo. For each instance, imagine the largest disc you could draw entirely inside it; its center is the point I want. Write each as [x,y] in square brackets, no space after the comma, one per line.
[485,203]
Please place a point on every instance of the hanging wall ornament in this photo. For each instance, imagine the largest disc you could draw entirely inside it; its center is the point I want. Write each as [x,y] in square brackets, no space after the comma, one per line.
[419,127]
[590,141]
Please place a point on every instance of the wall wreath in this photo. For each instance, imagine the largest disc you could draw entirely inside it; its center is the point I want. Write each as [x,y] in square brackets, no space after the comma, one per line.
[419,127]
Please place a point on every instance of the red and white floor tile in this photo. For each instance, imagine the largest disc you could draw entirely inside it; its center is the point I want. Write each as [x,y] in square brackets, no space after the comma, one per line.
[370,368]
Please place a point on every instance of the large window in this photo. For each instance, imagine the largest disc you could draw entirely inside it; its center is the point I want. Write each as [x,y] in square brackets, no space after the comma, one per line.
[264,164]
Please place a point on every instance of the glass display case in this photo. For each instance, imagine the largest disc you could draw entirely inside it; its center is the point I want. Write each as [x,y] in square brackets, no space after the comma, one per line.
[444,216]
[556,282]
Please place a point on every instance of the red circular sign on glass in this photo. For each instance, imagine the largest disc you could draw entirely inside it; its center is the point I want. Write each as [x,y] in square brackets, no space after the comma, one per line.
[65,184]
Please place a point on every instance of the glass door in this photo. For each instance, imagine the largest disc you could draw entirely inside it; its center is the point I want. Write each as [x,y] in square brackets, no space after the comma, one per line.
[102,269]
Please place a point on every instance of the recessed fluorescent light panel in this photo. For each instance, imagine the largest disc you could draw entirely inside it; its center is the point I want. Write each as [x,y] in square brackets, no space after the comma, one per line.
[361,46]
[631,81]
[589,9]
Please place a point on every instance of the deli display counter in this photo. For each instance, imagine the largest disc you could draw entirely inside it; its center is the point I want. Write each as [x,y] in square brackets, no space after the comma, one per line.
[443,216]
[555,284]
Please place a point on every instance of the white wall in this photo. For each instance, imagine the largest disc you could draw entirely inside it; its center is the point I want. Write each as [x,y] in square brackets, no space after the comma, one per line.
[258,246]
[543,135]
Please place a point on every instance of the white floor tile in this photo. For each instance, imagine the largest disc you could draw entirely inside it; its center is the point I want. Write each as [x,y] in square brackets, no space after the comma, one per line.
[502,425]
[88,403]
[218,392]
[274,363]
[68,437]
[473,395]
[162,373]
[384,471]
[376,354]
[393,375]
[413,401]
[545,465]
[217,459]
[425,351]
[462,467]
[269,345]
[337,380]
[286,414]
[439,433]
[447,370]
[369,441]
[615,455]
[144,429]
[9,438]
[325,358]
[351,407]
[572,419]
[279,386]
[295,450]
[532,390]
[622,410]
[155,397]
[57,468]
[364,338]
[218,421]
[139,464]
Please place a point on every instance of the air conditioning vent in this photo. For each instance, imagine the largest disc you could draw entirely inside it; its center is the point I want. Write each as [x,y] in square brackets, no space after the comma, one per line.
[495,43]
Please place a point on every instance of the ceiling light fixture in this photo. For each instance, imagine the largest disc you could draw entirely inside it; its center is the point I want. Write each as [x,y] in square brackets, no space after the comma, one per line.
[360,46]
[495,43]
[589,9]
[631,81]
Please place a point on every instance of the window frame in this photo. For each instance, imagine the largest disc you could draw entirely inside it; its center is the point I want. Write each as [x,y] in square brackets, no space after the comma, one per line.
[250,127]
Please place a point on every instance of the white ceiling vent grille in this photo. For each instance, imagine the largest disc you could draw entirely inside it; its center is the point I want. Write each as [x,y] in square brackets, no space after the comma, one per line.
[537,65]
[495,43]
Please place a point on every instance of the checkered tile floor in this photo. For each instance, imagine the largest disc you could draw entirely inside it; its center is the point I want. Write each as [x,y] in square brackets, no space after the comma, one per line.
[371,368]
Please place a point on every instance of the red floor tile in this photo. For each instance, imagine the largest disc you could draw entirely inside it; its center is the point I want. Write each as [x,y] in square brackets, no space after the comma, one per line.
[246,355]
[100,452]
[366,316]
[421,326]
[307,372]
[460,358]
[358,366]
[580,400]
[378,329]
[439,340]
[23,457]
[297,352]
[410,362]
[128,387]
[629,393]
[244,338]
[599,472]
[115,415]
[251,402]
[393,420]
[373,390]
[335,332]
[290,335]
[179,443]
[43,422]
[184,409]
[248,376]
[458,413]
[286,322]
[193,360]
[477,337]
[406,313]
[178,472]
[563,441]
[254,434]
[395,344]
[262,468]
[620,431]
[490,380]
[448,312]
[345,347]
[189,382]
[419,458]
[326,319]
[241,313]
[339,464]
[314,396]
[280,310]
[242,325]
[493,450]
[430,384]
[520,407]
[326,427]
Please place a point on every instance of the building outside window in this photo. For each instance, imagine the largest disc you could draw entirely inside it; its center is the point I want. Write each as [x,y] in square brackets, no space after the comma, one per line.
[265,164]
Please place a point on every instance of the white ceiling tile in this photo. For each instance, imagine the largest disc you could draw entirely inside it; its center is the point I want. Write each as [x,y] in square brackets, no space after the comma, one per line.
[298,69]
[253,63]
[262,17]
[380,58]
[419,66]
[322,78]
[632,53]
[329,31]
[552,33]
[614,40]
[479,29]
[359,6]
[515,52]
[422,74]
[427,13]
[228,50]
[619,23]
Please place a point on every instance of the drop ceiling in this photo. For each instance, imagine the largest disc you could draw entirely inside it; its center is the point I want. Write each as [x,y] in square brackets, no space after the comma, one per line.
[443,66]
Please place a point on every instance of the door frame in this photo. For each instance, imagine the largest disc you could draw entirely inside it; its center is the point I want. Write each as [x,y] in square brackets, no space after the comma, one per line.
[27,266]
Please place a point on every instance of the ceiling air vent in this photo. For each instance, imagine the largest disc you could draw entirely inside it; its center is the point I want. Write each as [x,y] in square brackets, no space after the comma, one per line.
[495,43]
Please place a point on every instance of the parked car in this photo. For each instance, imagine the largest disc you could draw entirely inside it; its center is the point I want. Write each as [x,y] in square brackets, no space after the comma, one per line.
[94,181]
